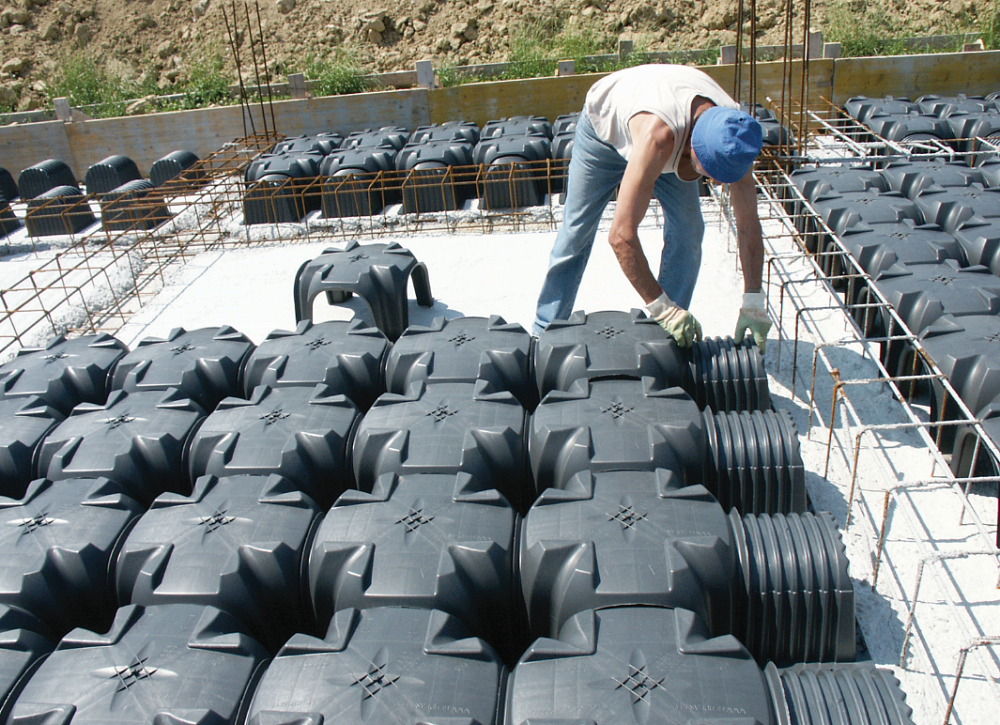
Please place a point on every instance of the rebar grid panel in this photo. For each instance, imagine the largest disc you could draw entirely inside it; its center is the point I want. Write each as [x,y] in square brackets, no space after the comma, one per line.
[104,274]
[915,501]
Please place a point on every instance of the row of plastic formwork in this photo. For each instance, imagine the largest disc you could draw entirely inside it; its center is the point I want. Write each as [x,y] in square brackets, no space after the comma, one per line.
[197,664]
[960,122]
[56,206]
[262,550]
[436,168]
[188,373]
[939,277]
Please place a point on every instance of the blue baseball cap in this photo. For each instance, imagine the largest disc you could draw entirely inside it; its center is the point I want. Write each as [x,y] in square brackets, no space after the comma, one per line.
[726,142]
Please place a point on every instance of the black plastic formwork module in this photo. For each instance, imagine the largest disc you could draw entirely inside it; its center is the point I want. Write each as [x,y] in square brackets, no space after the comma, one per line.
[351,185]
[24,423]
[615,425]
[637,664]
[276,188]
[967,351]
[464,350]
[137,440]
[57,546]
[839,694]
[515,170]
[8,188]
[815,182]
[923,293]
[716,372]
[393,137]
[517,126]
[909,128]
[59,211]
[910,178]
[302,434]
[346,357]
[970,456]
[406,666]
[64,372]
[43,176]
[23,642]
[754,463]
[172,166]
[172,663]
[110,173]
[952,206]
[843,210]
[9,223]
[797,598]
[204,364]
[626,538]
[320,143]
[630,538]
[464,131]
[135,205]
[949,106]
[881,246]
[861,107]
[429,541]
[433,182]
[236,543]
[447,428]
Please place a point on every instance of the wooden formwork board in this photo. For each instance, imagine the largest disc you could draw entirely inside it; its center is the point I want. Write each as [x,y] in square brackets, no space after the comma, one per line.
[912,76]
[488,101]
[24,145]
[149,137]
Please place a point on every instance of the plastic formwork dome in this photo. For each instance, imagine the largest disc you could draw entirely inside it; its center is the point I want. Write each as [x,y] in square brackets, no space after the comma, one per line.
[183,662]
[300,433]
[237,543]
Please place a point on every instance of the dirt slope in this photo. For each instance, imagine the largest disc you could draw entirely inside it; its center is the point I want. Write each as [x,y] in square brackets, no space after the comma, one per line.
[162,37]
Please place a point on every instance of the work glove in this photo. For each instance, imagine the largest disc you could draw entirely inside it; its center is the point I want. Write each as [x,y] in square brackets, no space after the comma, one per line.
[678,322]
[753,317]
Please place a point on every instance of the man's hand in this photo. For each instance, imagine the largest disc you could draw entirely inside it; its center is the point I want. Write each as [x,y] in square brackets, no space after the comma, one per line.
[753,317]
[679,323]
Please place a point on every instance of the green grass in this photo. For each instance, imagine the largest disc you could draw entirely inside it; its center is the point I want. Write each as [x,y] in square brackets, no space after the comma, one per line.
[86,82]
[336,77]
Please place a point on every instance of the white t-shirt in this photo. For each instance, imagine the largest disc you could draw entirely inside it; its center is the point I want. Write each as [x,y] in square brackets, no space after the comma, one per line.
[663,90]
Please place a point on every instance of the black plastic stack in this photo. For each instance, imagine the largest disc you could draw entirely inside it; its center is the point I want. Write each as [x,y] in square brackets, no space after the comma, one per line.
[238,544]
[173,166]
[169,664]
[630,538]
[8,188]
[299,433]
[514,153]
[204,365]
[461,131]
[64,373]
[58,211]
[356,181]
[447,428]
[137,440]
[429,541]
[345,357]
[134,205]
[406,666]
[755,465]
[773,133]
[563,134]
[57,545]
[927,232]
[281,188]
[43,176]
[435,178]
[9,223]
[464,350]
[387,137]
[24,641]
[320,143]
[716,372]
[110,173]
[24,422]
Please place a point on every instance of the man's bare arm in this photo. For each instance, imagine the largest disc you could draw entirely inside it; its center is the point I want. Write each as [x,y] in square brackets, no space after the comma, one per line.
[749,237]
[652,143]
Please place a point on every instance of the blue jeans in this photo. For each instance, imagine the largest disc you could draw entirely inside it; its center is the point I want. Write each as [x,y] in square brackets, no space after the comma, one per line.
[595,170]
